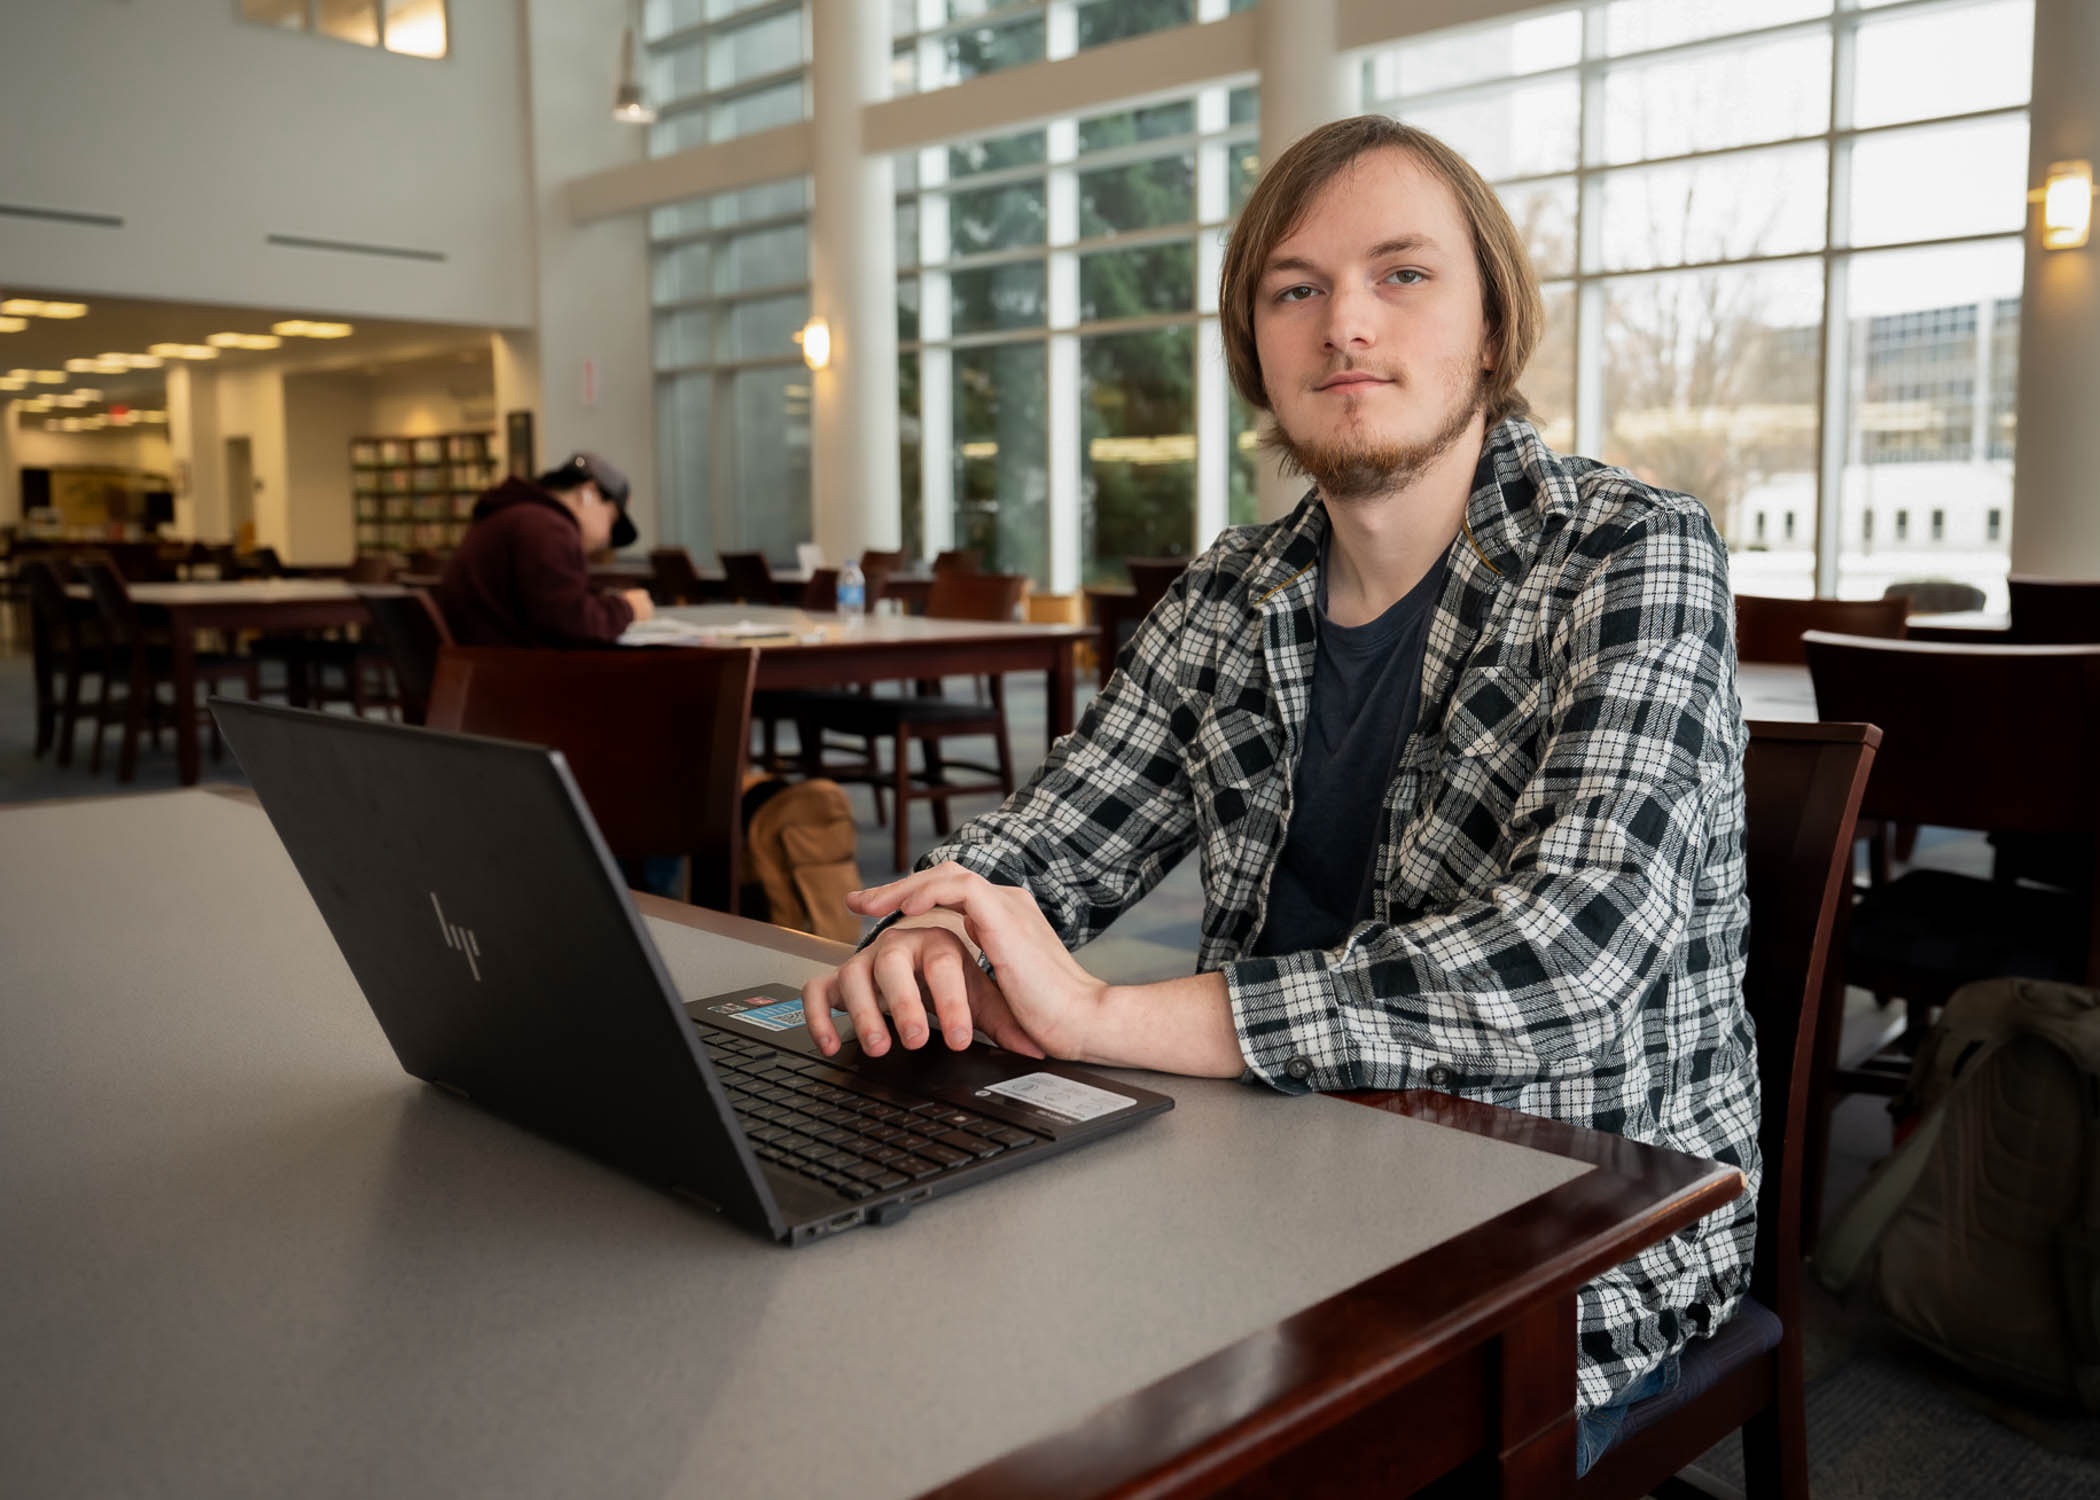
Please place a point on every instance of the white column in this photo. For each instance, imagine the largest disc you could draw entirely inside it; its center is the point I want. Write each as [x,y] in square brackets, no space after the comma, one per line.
[937,456]
[1305,81]
[2055,519]
[10,476]
[853,287]
[197,454]
[514,362]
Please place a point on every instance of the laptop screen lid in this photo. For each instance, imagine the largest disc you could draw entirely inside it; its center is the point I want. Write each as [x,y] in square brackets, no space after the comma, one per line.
[487,924]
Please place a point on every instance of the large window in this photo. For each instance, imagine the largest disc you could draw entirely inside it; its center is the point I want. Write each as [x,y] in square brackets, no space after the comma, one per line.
[1058,345]
[731,287]
[414,28]
[718,69]
[1731,273]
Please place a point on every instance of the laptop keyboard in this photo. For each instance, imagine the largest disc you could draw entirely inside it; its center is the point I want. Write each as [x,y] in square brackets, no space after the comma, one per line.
[842,1130]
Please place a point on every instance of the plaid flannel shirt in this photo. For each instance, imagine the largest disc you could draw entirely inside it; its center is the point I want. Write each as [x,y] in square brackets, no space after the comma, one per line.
[1558,910]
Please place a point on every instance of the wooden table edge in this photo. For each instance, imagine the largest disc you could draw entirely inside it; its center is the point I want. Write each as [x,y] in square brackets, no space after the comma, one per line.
[1248,1403]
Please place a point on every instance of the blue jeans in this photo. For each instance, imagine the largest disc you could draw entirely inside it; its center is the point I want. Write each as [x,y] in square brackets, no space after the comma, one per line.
[1599,1427]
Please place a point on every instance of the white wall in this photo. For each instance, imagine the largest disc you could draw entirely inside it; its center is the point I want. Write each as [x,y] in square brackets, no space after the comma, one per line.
[113,447]
[322,413]
[205,134]
[592,286]
[251,405]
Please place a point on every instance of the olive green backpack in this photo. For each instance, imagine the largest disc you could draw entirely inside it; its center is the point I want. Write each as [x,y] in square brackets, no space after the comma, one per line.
[1980,1235]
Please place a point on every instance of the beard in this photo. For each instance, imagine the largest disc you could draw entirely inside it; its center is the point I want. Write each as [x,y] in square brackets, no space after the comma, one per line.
[1357,465]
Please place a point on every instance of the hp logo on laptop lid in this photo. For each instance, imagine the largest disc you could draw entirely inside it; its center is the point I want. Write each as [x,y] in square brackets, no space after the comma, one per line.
[461,938]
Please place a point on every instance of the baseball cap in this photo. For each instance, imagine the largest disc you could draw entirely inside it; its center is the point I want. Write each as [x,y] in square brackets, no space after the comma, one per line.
[612,484]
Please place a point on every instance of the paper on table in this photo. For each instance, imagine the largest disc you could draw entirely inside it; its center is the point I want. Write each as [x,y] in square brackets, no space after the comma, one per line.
[667,632]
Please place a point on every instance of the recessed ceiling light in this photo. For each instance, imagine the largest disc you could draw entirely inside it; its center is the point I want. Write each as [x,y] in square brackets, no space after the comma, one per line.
[244,340]
[144,361]
[182,351]
[9,383]
[71,400]
[79,365]
[303,328]
[51,377]
[30,307]
[117,366]
[13,325]
[153,416]
[87,393]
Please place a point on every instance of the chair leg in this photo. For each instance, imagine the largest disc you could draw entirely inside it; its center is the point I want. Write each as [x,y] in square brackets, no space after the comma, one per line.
[1775,1445]
[101,720]
[69,716]
[1002,740]
[140,694]
[903,825]
[936,775]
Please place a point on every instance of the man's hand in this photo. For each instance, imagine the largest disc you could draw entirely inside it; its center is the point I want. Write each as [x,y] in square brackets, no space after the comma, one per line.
[639,601]
[1043,1003]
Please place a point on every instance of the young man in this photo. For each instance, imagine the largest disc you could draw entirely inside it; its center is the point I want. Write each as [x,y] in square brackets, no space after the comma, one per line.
[522,576]
[1457,743]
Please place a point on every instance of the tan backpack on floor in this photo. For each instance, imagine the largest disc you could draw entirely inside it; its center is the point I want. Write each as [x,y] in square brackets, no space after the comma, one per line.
[1980,1235]
[800,848]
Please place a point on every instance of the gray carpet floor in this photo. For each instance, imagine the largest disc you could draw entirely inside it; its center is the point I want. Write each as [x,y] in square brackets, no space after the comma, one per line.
[1886,1421]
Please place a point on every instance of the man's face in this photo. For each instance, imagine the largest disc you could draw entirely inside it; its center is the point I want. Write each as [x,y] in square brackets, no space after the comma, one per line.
[595,514]
[1368,326]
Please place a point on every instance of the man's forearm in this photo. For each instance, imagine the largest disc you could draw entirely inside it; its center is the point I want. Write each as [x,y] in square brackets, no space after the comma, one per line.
[1174,1026]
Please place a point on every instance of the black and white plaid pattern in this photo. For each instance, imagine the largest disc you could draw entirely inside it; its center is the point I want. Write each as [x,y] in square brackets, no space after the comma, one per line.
[1559,916]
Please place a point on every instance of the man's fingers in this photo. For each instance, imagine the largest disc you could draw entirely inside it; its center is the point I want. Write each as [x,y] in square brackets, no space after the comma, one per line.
[816,1012]
[947,972]
[897,982]
[857,991]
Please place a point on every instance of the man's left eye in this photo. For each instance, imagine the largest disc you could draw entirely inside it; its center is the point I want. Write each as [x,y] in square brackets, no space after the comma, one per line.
[1406,276]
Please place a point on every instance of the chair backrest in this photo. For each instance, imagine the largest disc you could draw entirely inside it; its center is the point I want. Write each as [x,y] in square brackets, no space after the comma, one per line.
[120,617]
[48,601]
[2054,611]
[976,596]
[958,560]
[673,577]
[412,630]
[1984,737]
[1934,596]
[875,571]
[750,577]
[658,740]
[264,562]
[1769,629]
[370,567]
[822,590]
[1802,785]
[1151,577]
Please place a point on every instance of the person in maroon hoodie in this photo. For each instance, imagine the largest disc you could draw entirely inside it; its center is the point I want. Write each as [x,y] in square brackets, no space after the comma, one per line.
[521,576]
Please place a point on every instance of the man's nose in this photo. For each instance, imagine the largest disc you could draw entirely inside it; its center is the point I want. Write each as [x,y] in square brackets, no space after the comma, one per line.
[1351,319]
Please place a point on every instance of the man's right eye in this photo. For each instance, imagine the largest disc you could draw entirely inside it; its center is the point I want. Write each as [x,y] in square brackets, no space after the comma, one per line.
[1294,294]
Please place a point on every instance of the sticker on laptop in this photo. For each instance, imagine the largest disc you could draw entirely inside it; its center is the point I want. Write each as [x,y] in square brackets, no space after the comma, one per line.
[767,1015]
[1062,1096]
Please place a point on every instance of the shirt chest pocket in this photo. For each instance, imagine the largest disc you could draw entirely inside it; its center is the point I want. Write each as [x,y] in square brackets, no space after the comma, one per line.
[1232,756]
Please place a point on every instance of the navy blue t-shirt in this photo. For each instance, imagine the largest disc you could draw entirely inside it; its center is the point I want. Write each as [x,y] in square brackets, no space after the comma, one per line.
[1366,693]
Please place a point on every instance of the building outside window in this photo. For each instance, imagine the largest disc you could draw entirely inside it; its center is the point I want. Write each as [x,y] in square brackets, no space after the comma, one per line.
[1702,223]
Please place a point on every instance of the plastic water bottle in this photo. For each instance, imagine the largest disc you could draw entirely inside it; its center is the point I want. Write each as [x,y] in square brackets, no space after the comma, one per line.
[853,593]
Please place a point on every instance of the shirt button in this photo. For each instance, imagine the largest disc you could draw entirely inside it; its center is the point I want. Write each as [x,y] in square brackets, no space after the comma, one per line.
[1299,1068]
[1440,1076]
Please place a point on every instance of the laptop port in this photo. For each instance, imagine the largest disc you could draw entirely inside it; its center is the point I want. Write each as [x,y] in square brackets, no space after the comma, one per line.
[918,1195]
[845,1221]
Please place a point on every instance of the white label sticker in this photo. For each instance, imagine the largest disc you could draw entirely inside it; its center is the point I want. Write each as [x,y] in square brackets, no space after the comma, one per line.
[1062,1096]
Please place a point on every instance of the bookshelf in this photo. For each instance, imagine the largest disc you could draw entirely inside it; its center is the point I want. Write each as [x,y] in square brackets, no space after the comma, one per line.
[418,493]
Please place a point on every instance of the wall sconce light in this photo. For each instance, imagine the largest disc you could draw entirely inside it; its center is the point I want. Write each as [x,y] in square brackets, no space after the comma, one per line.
[815,339]
[629,107]
[2067,205]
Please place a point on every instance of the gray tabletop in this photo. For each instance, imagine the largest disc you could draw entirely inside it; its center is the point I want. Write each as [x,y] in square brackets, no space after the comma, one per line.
[246,1255]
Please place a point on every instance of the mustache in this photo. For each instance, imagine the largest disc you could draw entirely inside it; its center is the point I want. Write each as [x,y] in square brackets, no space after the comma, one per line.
[1354,367]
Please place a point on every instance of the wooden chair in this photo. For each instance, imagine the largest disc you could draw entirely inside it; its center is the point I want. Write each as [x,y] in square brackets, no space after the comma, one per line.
[2054,611]
[958,560]
[144,665]
[1978,737]
[672,577]
[411,631]
[925,718]
[1802,785]
[68,649]
[1771,629]
[750,578]
[658,741]
[875,571]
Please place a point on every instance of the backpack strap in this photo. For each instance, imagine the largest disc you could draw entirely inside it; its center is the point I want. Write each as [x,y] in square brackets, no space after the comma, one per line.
[1843,1249]
[2078,1255]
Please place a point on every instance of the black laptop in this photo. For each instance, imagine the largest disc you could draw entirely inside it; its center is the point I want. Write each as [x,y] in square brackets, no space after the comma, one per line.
[488,926]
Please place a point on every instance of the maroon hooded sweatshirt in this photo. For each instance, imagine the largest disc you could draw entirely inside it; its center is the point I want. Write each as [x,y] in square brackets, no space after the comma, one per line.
[520,577]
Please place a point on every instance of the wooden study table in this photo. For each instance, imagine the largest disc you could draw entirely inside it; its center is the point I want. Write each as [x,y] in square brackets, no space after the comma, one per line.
[247,1256]
[884,648]
[255,604]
